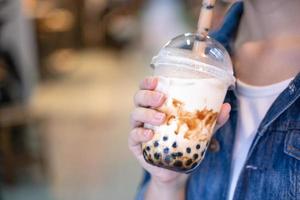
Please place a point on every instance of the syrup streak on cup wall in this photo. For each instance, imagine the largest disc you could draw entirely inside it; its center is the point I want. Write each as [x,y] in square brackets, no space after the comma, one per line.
[194,73]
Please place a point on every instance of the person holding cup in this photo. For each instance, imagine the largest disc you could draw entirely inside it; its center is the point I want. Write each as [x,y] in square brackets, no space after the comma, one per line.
[255,153]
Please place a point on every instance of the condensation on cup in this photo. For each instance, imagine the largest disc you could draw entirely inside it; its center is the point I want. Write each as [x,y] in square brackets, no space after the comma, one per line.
[195,85]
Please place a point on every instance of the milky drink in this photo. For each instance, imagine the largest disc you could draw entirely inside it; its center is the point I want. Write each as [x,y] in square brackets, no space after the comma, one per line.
[195,93]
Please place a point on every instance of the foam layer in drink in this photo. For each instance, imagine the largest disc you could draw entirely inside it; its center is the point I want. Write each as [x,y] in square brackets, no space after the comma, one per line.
[191,111]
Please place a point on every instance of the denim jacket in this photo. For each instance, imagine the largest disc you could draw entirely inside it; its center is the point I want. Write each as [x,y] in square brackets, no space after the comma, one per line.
[272,167]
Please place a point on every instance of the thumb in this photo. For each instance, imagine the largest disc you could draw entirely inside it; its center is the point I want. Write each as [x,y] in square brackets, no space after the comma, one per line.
[223,116]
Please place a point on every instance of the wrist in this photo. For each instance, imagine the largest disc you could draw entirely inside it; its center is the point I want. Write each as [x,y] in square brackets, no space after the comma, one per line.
[165,190]
[173,184]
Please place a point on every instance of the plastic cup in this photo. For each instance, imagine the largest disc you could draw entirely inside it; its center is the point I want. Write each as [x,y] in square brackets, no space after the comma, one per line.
[195,86]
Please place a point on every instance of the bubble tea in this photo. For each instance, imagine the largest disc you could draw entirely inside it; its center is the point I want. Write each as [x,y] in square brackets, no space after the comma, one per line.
[195,86]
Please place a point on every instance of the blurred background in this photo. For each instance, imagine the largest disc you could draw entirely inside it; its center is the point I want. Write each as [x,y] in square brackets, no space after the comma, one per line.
[68,72]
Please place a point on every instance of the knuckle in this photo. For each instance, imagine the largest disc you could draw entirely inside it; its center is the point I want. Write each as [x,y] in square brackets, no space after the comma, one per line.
[131,137]
[145,115]
[135,114]
[136,97]
[144,97]
[141,98]
[132,123]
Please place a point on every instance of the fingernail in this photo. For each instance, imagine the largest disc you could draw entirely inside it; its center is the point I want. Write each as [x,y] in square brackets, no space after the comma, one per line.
[158,97]
[150,82]
[159,116]
[147,133]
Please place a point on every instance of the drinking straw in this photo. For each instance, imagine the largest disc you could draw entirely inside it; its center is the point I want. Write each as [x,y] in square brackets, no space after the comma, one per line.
[204,24]
[205,18]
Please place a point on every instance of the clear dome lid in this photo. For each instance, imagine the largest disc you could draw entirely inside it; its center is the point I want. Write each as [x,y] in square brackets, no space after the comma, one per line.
[213,60]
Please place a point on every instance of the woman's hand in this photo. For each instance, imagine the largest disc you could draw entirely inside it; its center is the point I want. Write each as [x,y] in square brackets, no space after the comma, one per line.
[146,100]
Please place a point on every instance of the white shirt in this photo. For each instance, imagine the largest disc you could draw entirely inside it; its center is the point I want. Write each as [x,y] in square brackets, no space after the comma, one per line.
[253,104]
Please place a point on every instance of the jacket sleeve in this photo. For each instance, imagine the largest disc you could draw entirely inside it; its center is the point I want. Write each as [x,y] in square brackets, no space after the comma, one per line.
[143,186]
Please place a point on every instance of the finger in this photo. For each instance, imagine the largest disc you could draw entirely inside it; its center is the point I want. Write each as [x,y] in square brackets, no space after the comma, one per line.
[149,83]
[224,114]
[146,115]
[161,173]
[147,98]
[136,137]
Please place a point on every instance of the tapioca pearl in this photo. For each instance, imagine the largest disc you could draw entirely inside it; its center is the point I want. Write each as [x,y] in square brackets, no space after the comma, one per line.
[148,148]
[157,156]
[145,153]
[174,155]
[179,154]
[198,146]
[195,156]
[174,145]
[155,144]
[168,159]
[150,160]
[202,153]
[209,7]
[166,150]
[188,150]
[188,162]
[177,163]
[165,138]
[194,165]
